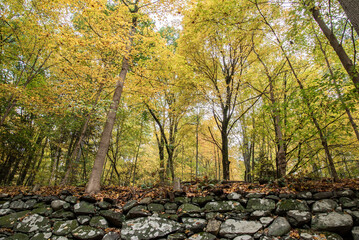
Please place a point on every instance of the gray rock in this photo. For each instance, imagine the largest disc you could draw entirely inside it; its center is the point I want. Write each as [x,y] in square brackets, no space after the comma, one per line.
[87,233]
[17,205]
[71,199]
[324,205]
[194,224]
[129,205]
[138,211]
[223,206]
[279,227]
[234,196]
[114,218]
[9,221]
[44,210]
[213,226]
[298,218]
[345,193]
[355,233]
[266,221]
[5,205]
[333,222]
[244,237]
[83,219]
[237,227]
[84,208]
[5,211]
[33,223]
[146,200]
[18,236]
[62,214]
[202,200]
[260,204]
[98,222]
[171,206]
[148,228]
[155,207]
[111,236]
[304,195]
[57,204]
[29,204]
[202,236]
[347,202]
[259,213]
[188,208]
[322,195]
[291,204]
[182,200]
[104,205]
[63,228]
[42,236]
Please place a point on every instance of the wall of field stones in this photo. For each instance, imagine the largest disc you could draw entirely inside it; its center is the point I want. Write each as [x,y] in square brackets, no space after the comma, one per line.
[239,216]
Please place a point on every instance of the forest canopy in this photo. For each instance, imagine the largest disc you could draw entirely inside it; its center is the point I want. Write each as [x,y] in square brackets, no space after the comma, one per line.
[102,92]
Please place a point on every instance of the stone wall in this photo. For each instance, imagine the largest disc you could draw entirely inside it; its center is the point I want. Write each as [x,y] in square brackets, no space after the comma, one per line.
[239,216]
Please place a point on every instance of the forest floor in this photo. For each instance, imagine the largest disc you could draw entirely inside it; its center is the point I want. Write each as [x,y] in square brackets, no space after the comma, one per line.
[201,187]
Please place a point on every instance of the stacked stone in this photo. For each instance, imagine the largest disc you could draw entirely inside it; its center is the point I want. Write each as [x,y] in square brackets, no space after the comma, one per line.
[238,216]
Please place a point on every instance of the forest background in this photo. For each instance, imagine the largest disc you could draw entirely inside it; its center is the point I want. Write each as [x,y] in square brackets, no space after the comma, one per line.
[92,92]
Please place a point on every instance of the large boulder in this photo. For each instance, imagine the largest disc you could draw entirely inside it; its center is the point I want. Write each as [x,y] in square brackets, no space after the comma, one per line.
[114,218]
[84,208]
[33,223]
[232,227]
[87,233]
[324,205]
[194,224]
[260,204]
[333,222]
[63,228]
[298,218]
[57,204]
[8,221]
[291,204]
[98,222]
[279,227]
[223,206]
[148,228]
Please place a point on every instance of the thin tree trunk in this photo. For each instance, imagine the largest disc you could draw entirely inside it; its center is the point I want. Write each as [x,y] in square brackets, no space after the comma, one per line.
[137,153]
[197,125]
[94,183]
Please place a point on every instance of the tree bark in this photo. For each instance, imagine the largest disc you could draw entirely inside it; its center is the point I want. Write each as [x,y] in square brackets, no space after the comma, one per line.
[351,9]
[94,183]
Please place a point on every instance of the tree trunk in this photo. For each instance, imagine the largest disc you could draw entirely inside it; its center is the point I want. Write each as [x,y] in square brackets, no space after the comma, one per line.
[351,9]
[197,125]
[94,183]
[225,154]
[338,48]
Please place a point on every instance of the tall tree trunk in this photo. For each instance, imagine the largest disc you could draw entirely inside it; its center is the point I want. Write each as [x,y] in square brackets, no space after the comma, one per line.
[351,9]
[338,48]
[94,183]
[197,125]
[137,153]
[225,153]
